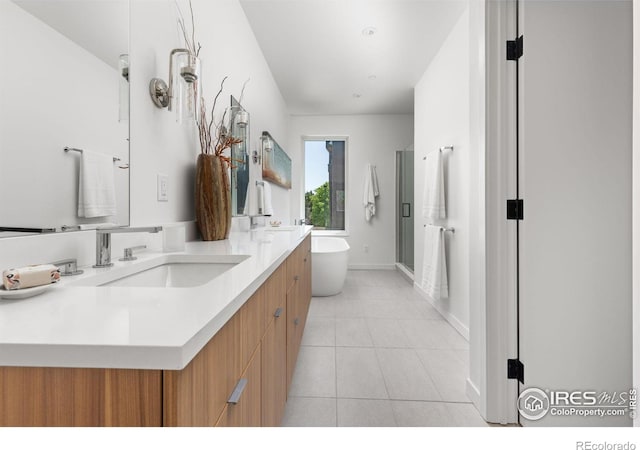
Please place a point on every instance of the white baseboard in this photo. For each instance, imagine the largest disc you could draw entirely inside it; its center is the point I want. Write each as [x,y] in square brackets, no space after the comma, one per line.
[473,393]
[372,266]
[405,272]
[453,320]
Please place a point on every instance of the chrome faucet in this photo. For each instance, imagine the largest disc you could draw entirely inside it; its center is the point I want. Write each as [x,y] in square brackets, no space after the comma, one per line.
[103,242]
[253,221]
[68,267]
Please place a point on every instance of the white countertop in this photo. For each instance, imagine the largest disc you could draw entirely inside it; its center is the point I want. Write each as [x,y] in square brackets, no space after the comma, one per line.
[138,327]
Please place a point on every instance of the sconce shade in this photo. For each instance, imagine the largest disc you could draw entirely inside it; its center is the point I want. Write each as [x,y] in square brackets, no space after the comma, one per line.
[267,144]
[242,118]
[182,93]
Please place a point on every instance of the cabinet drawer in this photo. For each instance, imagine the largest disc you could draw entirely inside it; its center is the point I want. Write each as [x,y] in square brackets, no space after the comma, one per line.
[275,294]
[245,411]
[294,266]
[251,325]
[197,394]
[274,371]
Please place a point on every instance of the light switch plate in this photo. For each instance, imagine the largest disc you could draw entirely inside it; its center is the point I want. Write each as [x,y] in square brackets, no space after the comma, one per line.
[163,188]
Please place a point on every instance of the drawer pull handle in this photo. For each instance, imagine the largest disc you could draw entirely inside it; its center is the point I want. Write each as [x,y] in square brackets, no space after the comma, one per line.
[296,321]
[305,260]
[278,312]
[296,278]
[237,392]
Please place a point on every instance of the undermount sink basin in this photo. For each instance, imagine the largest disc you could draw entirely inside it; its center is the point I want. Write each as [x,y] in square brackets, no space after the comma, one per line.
[174,271]
[282,228]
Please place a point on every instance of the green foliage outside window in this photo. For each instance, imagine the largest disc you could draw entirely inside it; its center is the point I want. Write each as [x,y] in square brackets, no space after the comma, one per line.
[317,206]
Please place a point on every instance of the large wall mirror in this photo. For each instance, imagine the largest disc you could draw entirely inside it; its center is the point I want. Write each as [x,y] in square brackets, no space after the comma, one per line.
[64,83]
[240,159]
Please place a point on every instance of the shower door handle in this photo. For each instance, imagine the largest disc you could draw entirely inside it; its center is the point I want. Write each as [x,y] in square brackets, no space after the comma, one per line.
[406,210]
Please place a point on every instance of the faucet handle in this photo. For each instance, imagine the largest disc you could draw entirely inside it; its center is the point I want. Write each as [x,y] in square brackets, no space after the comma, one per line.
[68,267]
[128,253]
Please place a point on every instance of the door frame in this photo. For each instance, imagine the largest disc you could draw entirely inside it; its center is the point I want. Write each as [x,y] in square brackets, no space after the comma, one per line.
[501,320]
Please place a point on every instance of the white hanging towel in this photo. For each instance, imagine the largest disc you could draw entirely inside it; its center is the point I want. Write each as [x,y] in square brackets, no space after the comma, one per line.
[371,191]
[433,206]
[260,199]
[434,267]
[267,204]
[96,190]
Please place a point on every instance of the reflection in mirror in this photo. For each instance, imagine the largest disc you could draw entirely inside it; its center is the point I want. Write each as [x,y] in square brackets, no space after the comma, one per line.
[240,155]
[66,86]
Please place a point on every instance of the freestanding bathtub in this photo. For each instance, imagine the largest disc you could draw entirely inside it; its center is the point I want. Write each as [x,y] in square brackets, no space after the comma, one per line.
[330,259]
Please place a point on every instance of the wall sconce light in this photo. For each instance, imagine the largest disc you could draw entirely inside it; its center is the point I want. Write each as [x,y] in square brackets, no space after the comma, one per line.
[242,119]
[267,143]
[182,92]
[123,65]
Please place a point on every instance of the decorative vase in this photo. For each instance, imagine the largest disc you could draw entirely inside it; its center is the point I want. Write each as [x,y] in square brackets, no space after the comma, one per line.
[212,198]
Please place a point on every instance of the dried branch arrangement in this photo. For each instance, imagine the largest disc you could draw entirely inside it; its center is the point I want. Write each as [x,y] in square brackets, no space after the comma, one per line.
[214,136]
[189,41]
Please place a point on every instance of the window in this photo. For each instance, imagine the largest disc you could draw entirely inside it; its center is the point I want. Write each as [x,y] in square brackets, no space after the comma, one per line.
[324,198]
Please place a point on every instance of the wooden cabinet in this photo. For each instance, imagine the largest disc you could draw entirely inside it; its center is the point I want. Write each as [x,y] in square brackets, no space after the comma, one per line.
[298,301]
[274,350]
[244,407]
[255,352]
[64,397]
[252,324]
[294,327]
[196,395]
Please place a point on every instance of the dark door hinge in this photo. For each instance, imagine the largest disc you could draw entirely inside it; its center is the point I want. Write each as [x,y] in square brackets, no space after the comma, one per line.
[515,49]
[515,209]
[515,370]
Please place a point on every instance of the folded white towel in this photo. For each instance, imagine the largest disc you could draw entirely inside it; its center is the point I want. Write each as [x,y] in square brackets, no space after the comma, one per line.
[371,191]
[433,206]
[259,199]
[434,267]
[267,203]
[97,191]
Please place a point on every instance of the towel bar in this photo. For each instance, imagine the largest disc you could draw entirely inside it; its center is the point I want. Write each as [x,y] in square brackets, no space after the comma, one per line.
[441,149]
[453,230]
[79,150]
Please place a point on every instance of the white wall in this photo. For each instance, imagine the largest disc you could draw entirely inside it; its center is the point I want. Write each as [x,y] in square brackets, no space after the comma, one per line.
[373,139]
[442,117]
[54,94]
[158,143]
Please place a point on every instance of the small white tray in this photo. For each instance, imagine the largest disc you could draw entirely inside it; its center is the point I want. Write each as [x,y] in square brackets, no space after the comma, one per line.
[23,293]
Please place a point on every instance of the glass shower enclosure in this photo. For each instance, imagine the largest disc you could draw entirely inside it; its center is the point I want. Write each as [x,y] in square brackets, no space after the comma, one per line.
[405,207]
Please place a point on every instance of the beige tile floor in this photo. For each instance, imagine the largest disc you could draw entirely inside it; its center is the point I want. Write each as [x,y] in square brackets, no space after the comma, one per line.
[379,355]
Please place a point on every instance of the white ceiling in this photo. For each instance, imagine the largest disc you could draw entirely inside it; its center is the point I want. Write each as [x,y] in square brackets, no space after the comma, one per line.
[320,58]
[99,26]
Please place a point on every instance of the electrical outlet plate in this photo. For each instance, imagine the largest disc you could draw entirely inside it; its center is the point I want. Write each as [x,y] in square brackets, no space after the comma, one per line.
[163,188]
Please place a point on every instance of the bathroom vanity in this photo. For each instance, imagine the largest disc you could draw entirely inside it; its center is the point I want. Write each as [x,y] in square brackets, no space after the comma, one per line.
[210,353]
